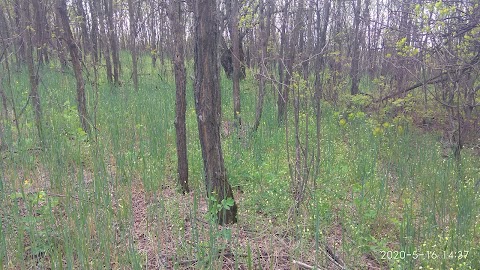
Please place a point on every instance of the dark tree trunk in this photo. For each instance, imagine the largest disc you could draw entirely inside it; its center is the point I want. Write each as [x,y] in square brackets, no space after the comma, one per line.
[4,42]
[20,40]
[76,62]
[208,106]
[83,26]
[265,23]
[104,38]
[133,46]
[402,63]
[60,45]
[40,32]
[153,33]
[94,32]
[321,39]
[235,60]
[113,41]
[282,87]
[355,48]
[176,18]
[34,94]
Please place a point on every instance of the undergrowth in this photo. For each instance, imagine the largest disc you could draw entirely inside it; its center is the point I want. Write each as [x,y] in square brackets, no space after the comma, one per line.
[384,195]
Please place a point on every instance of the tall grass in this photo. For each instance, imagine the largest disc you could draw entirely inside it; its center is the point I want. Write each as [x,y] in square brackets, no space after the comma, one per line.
[383,187]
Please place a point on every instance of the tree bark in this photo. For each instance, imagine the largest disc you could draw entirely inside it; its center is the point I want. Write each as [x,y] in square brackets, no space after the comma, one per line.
[153,33]
[265,23]
[355,48]
[40,19]
[235,60]
[33,76]
[76,62]
[208,106]
[20,57]
[178,27]
[113,41]
[104,38]
[133,46]
[282,87]
[83,26]
[60,45]
[94,32]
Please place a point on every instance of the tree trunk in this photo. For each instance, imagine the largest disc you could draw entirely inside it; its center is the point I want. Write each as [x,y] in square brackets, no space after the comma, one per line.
[94,32]
[282,88]
[40,32]
[153,33]
[355,48]
[208,106]
[113,41]
[133,46]
[265,23]
[20,57]
[235,60]
[104,38]
[77,67]
[176,18]
[83,26]
[34,94]
[60,46]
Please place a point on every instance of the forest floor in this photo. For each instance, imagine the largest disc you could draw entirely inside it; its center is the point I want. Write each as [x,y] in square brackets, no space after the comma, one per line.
[384,187]
[270,246]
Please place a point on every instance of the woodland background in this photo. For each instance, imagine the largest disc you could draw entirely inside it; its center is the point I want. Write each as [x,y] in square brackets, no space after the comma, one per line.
[343,134]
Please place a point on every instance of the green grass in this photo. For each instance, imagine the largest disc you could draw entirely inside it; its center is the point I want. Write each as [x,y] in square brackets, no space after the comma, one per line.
[383,189]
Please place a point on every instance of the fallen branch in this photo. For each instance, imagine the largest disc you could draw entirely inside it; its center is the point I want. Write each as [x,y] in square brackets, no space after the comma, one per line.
[436,79]
[303,265]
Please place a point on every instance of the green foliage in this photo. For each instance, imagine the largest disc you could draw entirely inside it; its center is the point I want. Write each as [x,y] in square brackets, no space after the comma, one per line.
[381,184]
[39,207]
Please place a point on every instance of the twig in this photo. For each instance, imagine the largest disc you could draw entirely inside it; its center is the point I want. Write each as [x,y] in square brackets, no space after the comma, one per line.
[334,258]
[304,265]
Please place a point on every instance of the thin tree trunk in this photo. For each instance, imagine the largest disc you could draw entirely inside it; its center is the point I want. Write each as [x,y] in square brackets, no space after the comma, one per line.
[235,61]
[265,34]
[83,26]
[153,33]
[208,107]
[40,32]
[356,49]
[34,94]
[113,41]
[104,38]
[176,18]
[20,40]
[282,88]
[94,32]
[133,46]
[76,62]
[319,78]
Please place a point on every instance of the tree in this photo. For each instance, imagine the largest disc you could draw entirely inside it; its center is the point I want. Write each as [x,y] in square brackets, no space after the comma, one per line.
[133,46]
[104,40]
[178,29]
[355,48]
[94,32]
[208,106]
[76,62]
[41,34]
[153,33]
[283,82]
[235,38]
[32,71]
[83,26]
[113,41]
[265,23]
